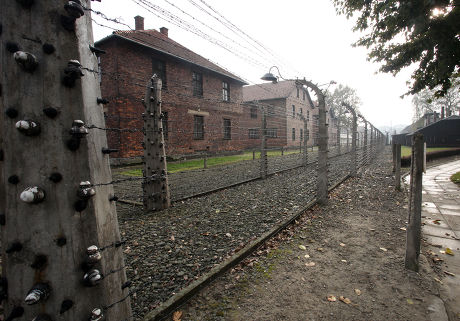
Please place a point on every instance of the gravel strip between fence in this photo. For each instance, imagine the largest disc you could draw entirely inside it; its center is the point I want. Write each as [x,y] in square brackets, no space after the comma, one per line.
[167,250]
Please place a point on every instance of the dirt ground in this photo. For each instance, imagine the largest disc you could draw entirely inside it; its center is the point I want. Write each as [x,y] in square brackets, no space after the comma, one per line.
[341,261]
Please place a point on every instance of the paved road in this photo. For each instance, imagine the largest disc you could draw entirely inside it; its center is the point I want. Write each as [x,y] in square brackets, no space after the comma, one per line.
[441,214]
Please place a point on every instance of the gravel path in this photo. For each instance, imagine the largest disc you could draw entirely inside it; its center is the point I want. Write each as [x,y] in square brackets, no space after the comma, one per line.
[167,250]
[350,251]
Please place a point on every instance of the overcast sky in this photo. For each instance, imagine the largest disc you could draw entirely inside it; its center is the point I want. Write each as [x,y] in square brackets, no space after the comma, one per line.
[304,38]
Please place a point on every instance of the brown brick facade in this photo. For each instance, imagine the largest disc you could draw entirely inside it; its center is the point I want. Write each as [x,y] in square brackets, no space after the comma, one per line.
[126,69]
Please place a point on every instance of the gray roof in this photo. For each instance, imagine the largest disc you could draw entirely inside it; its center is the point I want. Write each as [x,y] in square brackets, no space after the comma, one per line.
[266,91]
[162,43]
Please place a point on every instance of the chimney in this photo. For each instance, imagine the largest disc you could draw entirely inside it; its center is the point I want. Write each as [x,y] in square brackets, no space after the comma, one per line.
[442,112]
[164,31]
[139,22]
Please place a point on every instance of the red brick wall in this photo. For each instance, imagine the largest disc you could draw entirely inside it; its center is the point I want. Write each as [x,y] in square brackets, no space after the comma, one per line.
[126,69]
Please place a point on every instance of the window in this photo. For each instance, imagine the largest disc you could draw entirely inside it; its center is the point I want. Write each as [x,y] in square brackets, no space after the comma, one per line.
[293,110]
[271,111]
[197,84]
[303,95]
[308,115]
[159,68]
[253,133]
[271,132]
[198,127]
[227,129]
[225,91]
[301,111]
[253,112]
[293,134]
[301,134]
[298,90]
[164,123]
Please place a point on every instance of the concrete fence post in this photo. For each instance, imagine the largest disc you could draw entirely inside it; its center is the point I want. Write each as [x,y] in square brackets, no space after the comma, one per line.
[58,218]
[398,166]
[263,146]
[156,194]
[305,141]
[338,142]
[365,146]
[322,180]
[415,204]
[354,133]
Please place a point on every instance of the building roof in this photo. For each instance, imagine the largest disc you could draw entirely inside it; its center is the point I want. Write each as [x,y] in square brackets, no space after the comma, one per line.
[267,91]
[452,117]
[157,41]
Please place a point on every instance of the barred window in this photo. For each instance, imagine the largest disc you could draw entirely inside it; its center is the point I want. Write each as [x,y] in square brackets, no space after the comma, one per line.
[271,132]
[227,129]
[198,127]
[225,91]
[253,112]
[197,84]
[253,133]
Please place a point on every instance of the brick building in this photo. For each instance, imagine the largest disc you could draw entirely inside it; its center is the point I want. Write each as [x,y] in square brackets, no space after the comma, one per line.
[202,102]
[293,105]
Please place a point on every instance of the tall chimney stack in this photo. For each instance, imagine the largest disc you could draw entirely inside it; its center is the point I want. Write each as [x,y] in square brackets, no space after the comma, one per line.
[164,31]
[139,22]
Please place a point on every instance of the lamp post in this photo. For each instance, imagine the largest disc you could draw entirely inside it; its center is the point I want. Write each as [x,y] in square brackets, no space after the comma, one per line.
[321,187]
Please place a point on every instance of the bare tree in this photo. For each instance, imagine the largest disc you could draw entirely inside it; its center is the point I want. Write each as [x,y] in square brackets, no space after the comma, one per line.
[426,101]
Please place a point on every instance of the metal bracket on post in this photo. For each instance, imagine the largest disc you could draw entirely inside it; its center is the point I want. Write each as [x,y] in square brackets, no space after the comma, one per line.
[155,187]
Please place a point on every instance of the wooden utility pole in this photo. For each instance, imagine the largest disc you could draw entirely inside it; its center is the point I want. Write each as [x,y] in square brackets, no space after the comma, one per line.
[397,165]
[415,204]
[155,186]
[55,187]
[263,145]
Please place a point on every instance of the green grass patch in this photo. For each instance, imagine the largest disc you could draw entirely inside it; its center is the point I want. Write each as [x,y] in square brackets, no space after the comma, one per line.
[191,164]
[456,178]
[407,150]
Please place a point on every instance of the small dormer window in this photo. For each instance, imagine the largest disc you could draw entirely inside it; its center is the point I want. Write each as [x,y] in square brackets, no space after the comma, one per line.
[225,91]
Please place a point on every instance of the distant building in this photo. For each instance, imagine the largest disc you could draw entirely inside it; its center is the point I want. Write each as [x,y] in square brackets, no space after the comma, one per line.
[441,133]
[291,105]
[201,101]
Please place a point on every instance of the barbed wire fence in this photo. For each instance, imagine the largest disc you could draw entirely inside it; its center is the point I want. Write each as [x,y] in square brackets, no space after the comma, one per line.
[263,192]
[215,211]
